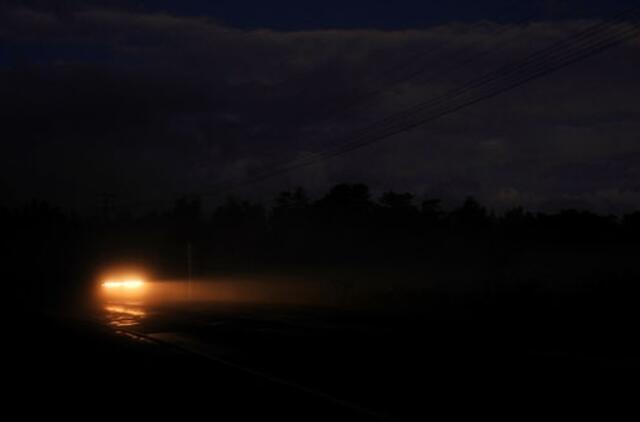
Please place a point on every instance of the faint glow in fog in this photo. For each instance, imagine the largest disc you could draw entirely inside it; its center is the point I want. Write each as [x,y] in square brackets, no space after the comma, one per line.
[142,292]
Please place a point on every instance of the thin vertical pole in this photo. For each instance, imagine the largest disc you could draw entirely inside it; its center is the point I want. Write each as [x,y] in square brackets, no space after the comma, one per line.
[189,272]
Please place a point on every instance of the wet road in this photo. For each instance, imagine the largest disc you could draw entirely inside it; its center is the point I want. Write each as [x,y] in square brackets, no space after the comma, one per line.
[396,367]
[281,344]
[75,368]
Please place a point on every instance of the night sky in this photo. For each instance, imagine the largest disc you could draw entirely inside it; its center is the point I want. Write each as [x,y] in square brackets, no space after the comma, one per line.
[150,99]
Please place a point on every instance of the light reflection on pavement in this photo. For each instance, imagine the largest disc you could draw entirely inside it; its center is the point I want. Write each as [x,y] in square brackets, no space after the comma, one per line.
[124,315]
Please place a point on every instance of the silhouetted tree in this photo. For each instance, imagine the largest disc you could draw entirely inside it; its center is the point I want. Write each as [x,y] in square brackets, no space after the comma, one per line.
[631,226]
[345,226]
[398,220]
[240,228]
[290,207]
[290,222]
[345,206]
[397,201]
[470,217]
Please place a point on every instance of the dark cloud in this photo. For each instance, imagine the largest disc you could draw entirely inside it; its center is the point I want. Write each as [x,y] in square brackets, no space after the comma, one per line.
[331,14]
[174,103]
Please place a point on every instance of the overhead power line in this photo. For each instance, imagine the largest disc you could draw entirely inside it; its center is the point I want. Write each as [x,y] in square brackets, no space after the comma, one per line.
[585,44]
[579,46]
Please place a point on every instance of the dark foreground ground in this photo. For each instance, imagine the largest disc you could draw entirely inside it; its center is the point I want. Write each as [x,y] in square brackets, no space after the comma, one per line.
[74,368]
[229,363]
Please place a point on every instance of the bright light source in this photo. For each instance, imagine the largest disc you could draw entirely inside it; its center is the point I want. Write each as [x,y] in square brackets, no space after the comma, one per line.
[129,284]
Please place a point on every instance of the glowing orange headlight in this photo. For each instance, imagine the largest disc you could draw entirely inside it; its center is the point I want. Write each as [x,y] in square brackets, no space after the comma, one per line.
[129,284]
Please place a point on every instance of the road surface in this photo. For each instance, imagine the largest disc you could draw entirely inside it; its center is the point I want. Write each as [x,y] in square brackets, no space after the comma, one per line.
[395,368]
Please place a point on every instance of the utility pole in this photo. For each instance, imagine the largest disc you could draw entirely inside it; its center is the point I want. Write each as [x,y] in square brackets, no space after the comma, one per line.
[189,272]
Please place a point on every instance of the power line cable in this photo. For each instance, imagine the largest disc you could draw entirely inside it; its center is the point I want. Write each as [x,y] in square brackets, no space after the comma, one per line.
[513,79]
[576,48]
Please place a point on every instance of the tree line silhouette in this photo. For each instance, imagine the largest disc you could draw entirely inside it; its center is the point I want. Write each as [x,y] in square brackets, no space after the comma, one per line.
[49,252]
